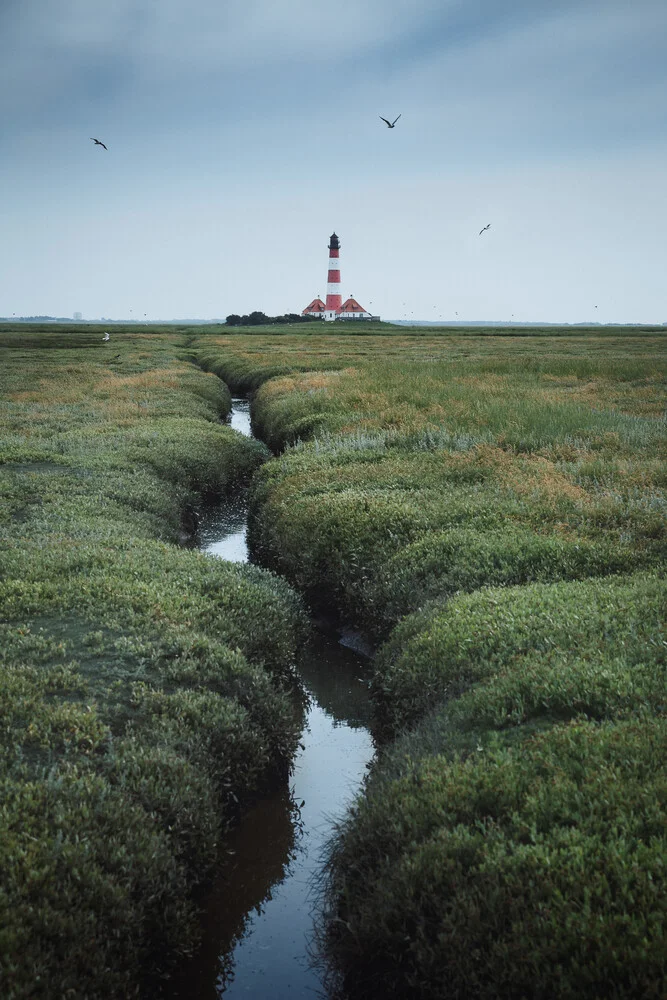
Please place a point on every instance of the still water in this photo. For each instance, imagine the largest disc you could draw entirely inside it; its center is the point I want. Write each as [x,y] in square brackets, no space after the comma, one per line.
[223,524]
[259,913]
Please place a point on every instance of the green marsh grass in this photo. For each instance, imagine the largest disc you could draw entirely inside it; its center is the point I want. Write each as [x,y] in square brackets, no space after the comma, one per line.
[493,508]
[146,691]
[512,872]
[490,504]
[567,439]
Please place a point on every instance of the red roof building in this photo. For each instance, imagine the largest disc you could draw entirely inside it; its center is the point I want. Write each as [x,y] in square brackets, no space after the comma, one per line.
[315,309]
[351,309]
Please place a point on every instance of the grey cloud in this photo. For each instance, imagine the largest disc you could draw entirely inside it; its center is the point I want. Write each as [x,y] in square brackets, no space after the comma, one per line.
[453,62]
[573,76]
[45,44]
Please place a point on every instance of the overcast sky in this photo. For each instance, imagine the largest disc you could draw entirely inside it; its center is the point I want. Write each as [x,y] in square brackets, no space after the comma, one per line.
[242,133]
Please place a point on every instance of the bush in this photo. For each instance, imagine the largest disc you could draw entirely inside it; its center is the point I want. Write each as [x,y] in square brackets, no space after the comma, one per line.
[534,872]
[440,565]
[90,888]
[131,677]
[438,653]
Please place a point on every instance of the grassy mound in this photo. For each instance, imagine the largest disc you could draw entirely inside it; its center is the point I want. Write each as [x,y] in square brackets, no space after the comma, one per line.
[438,653]
[519,828]
[392,442]
[164,704]
[146,691]
[534,872]
[462,560]
[383,533]
[151,688]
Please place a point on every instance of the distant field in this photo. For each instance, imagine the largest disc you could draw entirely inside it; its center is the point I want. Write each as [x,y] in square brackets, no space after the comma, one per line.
[368,328]
[50,334]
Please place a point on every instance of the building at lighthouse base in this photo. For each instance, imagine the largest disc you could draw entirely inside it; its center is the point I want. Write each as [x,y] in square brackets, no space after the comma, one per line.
[350,309]
[315,310]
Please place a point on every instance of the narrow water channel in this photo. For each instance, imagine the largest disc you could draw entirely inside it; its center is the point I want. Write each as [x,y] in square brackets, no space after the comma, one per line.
[259,913]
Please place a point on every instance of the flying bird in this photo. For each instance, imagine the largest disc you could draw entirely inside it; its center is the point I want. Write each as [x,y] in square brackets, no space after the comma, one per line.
[390,124]
[485,228]
[105,337]
[97,142]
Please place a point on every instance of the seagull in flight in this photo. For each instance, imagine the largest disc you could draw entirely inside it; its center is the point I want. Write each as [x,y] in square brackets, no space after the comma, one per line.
[390,124]
[485,228]
[97,142]
[105,337]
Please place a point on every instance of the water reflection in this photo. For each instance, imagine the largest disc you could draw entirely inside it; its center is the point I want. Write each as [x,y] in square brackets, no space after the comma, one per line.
[258,919]
[338,679]
[239,418]
[272,959]
[241,890]
[222,527]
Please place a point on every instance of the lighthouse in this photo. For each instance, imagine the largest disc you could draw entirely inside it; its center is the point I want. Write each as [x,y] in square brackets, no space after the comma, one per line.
[334,298]
[334,307]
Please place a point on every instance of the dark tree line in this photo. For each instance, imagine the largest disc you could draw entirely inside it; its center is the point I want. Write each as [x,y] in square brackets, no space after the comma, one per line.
[259,319]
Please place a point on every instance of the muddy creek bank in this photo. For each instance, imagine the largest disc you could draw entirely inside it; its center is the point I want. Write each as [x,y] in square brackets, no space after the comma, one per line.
[258,914]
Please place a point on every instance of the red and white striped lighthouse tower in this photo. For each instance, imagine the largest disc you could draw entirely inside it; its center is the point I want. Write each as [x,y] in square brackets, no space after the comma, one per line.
[335,308]
[334,298]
